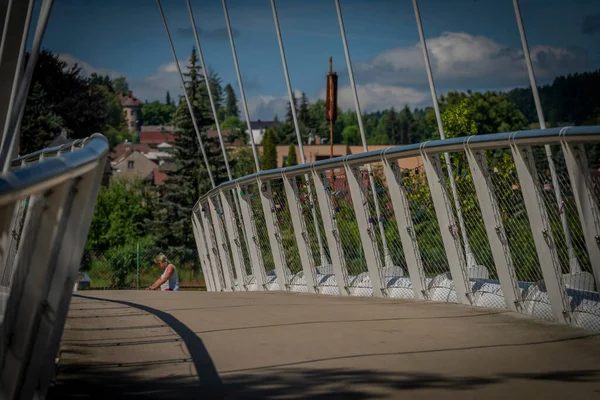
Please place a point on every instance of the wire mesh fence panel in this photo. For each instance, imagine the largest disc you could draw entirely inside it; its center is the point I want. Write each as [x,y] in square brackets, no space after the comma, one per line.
[133,267]
[228,263]
[481,269]
[213,244]
[241,234]
[567,232]
[518,233]
[427,231]
[283,219]
[394,261]
[394,270]
[348,229]
[309,205]
[262,235]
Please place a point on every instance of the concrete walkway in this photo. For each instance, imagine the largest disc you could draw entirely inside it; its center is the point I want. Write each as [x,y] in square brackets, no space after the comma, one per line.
[201,345]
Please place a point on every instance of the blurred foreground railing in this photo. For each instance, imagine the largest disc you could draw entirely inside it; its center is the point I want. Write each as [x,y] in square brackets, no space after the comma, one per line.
[46,206]
[522,260]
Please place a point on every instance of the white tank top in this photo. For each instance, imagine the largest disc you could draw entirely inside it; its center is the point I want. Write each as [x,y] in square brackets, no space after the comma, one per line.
[173,282]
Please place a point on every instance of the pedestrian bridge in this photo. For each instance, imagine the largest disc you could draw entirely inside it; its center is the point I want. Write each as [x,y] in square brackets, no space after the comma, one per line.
[287,315]
[475,274]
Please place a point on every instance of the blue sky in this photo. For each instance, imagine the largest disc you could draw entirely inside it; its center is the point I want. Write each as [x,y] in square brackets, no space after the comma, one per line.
[472,43]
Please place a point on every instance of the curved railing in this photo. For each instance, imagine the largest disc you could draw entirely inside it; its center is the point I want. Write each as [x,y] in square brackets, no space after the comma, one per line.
[522,232]
[46,205]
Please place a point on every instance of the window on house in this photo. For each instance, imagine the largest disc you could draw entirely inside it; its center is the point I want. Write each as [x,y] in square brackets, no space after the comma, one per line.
[129,164]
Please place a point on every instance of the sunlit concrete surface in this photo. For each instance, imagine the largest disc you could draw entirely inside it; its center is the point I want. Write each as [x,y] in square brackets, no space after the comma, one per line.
[199,345]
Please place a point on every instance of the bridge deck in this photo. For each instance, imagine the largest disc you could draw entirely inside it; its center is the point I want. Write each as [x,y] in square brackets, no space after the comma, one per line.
[280,345]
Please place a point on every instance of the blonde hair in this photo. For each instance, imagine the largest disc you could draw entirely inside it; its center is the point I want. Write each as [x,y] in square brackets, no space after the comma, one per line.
[160,258]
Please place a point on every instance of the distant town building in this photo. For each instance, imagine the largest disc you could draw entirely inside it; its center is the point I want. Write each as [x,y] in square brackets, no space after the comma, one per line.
[259,127]
[134,165]
[154,135]
[132,107]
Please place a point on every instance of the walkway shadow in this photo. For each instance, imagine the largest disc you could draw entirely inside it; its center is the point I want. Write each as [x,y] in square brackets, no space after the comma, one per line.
[291,383]
[210,382]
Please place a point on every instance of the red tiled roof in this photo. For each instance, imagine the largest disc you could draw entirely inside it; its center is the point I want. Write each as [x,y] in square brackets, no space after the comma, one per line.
[128,100]
[156,137]
[123,148]
[159,177]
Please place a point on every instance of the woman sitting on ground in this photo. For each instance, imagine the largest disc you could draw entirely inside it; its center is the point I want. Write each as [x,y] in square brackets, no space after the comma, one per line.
[169,279]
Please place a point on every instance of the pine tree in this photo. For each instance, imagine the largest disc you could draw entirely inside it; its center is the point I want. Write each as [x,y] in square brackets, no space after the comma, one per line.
[231,106]
[269,155]
[304,111]
[190,178]
[168,99]
[288,116]
[217,92]
[291,157]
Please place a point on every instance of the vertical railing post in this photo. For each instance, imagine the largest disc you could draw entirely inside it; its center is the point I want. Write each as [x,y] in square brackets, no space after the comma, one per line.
[336,252]
[542,232]
[35,261]
[366,226]
[494,227]
[222,248]
[406,228]
[202,253]
[212,251]
[254,250]
[268,206]
[302,239]
[586,201]
[448,227]
[234,238]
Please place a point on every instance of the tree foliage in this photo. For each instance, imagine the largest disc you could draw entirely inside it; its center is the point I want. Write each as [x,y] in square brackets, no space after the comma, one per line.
[157,113]
[291,156]
[231,106]
[119,216]
[269,154]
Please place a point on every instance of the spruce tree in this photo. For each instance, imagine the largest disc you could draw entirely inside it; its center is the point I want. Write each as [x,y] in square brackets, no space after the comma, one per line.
[189,179]
[231,106]
[304,111]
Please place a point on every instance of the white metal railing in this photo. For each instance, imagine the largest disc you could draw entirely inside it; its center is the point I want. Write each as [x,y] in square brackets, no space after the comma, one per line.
[46,206]
[511,216]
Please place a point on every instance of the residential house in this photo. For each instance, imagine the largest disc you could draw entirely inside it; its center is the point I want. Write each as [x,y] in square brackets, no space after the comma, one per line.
[134,164]
[259,127]
[153,135]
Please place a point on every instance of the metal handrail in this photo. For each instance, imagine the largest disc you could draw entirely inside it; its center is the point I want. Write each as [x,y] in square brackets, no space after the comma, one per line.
[50,151]
[37,177]
[474,142]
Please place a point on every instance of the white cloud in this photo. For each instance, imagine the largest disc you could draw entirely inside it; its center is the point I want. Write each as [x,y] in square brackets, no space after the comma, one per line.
[375,96]
[155,86]
[266,107]
[87,69]
[461,59]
